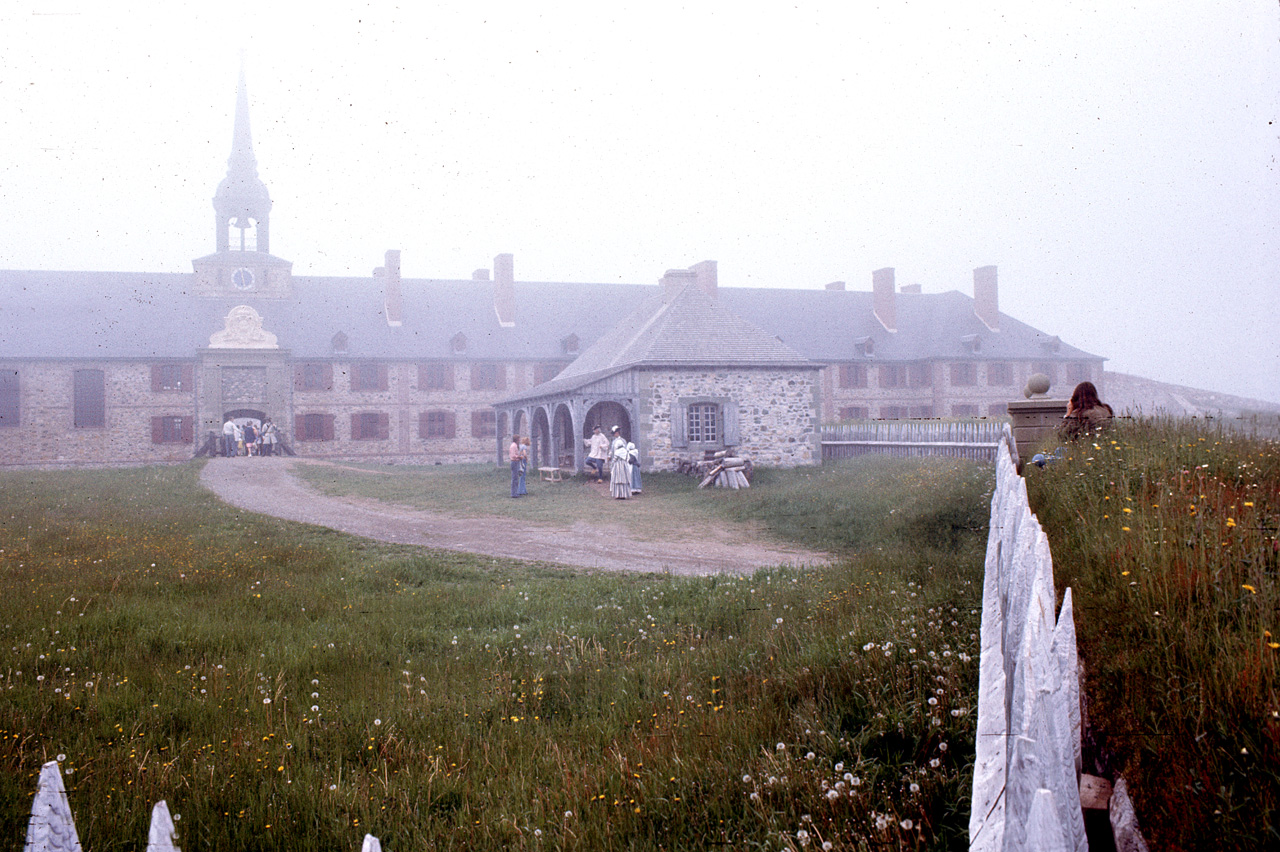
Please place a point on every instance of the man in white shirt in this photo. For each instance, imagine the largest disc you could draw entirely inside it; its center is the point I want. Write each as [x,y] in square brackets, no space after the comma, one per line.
[597,452]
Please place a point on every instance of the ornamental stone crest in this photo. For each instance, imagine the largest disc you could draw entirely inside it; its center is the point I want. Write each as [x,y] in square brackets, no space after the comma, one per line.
[243,331]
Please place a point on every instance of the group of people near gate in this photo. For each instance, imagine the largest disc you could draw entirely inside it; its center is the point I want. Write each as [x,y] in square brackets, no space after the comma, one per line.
[619,455]
[249,439]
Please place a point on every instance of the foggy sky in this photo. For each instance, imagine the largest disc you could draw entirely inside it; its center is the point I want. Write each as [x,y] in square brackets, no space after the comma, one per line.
[1117,164]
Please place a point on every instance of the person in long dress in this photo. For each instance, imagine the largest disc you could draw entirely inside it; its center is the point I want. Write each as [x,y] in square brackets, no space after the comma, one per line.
[619,467]
[633,456]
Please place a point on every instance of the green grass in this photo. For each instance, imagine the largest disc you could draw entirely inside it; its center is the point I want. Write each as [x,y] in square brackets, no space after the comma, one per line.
[836,508]
[284,687]
[1167,532]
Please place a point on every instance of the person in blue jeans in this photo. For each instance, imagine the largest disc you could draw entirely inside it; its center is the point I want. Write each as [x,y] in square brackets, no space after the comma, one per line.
[524,467]
[513,453]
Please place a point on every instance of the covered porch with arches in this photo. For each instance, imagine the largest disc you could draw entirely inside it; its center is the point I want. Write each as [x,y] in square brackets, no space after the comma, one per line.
[559,426]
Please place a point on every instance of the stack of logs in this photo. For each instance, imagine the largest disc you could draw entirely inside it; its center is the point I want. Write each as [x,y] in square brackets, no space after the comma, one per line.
[728,472]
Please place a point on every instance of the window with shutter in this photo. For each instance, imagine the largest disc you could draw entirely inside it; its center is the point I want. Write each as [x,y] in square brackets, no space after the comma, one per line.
[171,430]
[484,424]
[368,426]
[435,375]
[368,377]
[9,398]
[313,427]
[89,403]
[313,377]
[436,425]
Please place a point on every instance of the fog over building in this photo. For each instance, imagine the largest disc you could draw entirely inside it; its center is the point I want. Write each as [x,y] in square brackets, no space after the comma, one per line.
[137,367]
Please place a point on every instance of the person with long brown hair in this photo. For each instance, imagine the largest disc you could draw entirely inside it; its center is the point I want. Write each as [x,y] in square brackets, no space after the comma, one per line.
[1086,413]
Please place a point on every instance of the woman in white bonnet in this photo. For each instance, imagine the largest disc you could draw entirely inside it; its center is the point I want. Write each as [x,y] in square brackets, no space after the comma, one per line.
[633,456]
[619,467]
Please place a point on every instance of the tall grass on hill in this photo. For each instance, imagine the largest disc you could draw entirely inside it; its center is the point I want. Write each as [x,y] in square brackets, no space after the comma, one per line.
[288,688]
[1167,530]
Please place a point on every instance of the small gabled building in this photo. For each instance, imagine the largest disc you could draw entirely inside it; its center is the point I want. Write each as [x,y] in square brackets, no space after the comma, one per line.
[680,375]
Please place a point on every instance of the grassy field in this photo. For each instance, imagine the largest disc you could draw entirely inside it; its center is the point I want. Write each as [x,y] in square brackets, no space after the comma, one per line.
[286,687]
[1167,532]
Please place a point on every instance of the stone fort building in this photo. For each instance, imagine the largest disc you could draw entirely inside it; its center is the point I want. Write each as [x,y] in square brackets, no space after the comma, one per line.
[100,368]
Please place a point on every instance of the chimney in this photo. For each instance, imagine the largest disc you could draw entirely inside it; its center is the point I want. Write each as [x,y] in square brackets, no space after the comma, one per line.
[390,275]
[986,303]
[675,280]
[883,298]
[836,285]
[909,288]
[504,289]
[480,275]
[704,274]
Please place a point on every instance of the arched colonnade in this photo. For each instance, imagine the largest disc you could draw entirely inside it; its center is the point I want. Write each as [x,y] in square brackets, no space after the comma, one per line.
[558,428]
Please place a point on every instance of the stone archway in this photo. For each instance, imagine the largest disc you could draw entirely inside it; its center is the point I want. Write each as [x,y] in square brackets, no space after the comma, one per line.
[540,437]
[606,415]
[562,438]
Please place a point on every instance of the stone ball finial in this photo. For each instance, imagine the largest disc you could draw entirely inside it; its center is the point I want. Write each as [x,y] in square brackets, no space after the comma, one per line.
[1037,385]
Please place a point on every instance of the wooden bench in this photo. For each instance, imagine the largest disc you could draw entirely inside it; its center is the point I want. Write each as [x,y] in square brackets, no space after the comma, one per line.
[551,474]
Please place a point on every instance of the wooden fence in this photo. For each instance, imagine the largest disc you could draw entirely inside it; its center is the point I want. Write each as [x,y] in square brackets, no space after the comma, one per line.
[966,439]
[1026,792]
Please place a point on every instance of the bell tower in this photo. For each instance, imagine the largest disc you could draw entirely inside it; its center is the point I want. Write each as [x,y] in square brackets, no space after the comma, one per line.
[242,203]
[242,265]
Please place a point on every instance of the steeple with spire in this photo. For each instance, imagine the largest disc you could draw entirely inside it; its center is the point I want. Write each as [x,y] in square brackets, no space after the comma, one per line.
[243,263]
[242,202]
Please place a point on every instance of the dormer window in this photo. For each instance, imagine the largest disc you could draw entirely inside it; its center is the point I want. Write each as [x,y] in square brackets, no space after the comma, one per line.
[865,346]
[1052,344]
[570,344]
[339,343]
[971,343]
[458,343]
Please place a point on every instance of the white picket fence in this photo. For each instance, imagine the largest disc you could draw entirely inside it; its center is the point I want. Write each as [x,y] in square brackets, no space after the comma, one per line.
[967,439]
[1026,792]
[52,829]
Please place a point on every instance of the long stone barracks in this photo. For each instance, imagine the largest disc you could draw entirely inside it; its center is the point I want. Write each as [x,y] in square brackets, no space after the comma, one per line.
[110,368]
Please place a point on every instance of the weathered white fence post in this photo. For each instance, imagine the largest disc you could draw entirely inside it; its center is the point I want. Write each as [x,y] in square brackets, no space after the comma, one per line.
[51,828]
[1026,792]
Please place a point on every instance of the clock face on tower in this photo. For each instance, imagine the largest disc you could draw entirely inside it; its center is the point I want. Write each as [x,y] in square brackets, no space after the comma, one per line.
[243,279]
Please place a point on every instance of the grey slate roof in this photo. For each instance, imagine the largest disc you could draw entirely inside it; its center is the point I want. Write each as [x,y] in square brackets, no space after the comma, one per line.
[47,314]
[689,329]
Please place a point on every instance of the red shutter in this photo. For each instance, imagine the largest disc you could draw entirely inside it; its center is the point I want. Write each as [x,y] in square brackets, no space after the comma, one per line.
[300,428]
[382,377]
[477,425]
[450,425]
[188,377]
[328,425]
[422,424]
[155,379]
[449,371]
[355,427]
[188,430]
[157,430]
[475,376]
[384,426]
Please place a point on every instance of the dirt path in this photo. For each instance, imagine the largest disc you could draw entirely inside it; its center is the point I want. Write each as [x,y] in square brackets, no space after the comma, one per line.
[267,486]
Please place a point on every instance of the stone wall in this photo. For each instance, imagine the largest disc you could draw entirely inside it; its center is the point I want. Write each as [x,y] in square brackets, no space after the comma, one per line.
[777,413]
[46,434]
[932,389]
